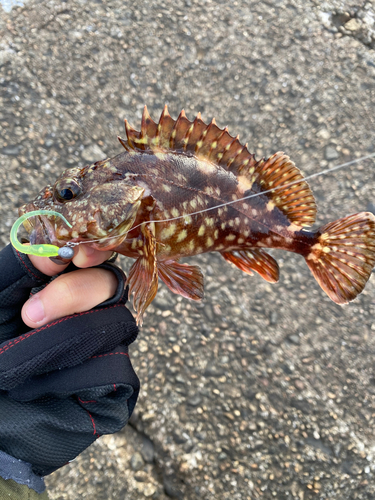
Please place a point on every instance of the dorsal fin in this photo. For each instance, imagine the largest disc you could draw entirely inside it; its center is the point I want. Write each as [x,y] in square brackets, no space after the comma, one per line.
[296,200]
[210,143]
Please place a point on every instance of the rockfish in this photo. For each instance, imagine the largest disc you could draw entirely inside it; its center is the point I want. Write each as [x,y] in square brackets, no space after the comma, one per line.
[184,188]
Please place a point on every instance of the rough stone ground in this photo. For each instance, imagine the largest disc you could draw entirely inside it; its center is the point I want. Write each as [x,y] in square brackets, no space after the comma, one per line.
[260,391]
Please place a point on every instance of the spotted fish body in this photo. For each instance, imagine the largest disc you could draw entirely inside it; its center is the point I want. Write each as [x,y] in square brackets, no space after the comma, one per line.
[183,188]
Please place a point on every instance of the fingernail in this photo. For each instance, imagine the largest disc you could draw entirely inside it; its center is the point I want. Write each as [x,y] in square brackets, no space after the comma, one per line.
[35,310]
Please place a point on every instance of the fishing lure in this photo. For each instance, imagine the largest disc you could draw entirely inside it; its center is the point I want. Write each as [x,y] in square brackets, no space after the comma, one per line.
[41,249]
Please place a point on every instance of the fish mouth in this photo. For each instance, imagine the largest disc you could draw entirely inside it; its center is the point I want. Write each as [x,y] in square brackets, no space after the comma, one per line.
[41,229]
[39,233]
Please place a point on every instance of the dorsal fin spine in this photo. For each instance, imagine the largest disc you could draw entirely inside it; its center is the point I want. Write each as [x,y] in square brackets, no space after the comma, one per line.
[124,143]
[229,163]
[156,140]
[164,113]
[146,118]
[201,139]
[189,131]
[229,145]
[198,146]
[130,133]
[148,130]
[175,128]
[205,132]
[216,142]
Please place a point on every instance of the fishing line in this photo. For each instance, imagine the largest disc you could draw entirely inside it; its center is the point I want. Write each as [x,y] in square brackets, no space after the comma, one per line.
[299,181]
[51,250]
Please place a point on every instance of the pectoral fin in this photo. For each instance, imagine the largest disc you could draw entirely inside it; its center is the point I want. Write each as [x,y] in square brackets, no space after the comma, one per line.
[143,275]
[182,279]
[254,260]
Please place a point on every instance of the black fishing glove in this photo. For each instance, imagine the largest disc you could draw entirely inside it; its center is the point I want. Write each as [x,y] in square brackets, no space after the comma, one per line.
[66,383]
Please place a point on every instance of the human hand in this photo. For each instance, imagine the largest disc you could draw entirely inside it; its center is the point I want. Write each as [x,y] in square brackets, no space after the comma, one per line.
[70,293]
[70,379]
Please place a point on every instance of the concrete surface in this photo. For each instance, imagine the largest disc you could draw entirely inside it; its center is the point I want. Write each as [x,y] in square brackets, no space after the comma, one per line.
[261,391]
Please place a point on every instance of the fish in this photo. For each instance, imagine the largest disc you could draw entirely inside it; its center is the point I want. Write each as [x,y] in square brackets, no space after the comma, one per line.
[183,188]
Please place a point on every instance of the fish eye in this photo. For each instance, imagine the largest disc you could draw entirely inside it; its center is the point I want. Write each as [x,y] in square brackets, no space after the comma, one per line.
[66,190]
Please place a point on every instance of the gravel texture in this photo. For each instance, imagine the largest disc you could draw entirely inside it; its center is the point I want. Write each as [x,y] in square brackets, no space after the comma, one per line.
[260,391]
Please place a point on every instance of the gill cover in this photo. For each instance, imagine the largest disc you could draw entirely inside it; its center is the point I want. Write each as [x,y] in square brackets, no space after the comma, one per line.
[114,206]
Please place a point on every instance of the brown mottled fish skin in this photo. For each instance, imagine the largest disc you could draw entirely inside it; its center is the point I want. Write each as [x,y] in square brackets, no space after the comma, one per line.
[187,172]
[182,185]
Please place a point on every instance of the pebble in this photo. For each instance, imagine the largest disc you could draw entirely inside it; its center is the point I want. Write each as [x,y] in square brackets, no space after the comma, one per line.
[148,450]
[323,133]
[294,339]
[162,303]
[213,371]
[319,445]
[140,476]
[331,153]
[163,327]
[352,25]
[5,56]
[143,346]
[179,437]
[195,400]
[299,384]
[273,318]
[208,312]
[149,490]
[93,153]
[170,488]
[12,150]
[136,461]
[351,468]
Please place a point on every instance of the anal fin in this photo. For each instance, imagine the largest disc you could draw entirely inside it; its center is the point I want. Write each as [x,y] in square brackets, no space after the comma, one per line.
[182,279]
[254,260]
[143,275]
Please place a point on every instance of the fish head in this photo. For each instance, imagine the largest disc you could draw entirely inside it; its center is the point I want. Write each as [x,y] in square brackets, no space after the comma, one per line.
[101,210]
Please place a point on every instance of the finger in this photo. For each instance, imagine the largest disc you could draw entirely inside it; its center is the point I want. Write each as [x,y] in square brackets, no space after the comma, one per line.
[84,256]
[46,266]
[69,293]
[88,257]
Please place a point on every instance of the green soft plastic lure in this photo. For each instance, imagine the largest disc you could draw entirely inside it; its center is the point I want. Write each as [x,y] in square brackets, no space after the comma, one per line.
[40,250]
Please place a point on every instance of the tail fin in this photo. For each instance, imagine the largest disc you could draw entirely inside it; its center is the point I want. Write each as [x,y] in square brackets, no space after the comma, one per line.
[344,255]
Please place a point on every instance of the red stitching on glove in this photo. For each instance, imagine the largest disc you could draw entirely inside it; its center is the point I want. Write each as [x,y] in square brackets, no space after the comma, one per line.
[109,354]
[93,424]
[85,402]
[12,343]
